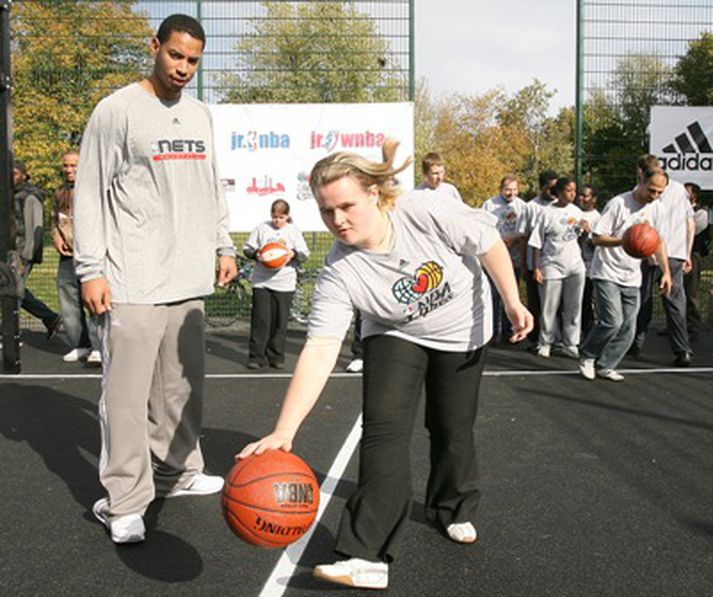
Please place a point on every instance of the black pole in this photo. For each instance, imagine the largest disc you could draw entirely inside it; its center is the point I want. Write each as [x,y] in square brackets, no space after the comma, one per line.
[579,96]
[10,315]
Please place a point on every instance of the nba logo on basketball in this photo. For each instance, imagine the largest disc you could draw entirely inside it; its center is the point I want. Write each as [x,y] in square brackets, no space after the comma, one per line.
[270,500]
[294,493]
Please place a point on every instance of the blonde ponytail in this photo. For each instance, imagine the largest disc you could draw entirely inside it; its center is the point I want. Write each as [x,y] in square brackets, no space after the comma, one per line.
[367,173]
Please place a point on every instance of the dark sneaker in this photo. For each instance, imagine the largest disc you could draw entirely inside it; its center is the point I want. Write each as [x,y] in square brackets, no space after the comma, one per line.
[277,365]
[683,359]
[254,365]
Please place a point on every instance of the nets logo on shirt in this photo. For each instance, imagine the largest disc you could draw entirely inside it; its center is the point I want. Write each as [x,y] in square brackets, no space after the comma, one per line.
[688,151]
[178,149]
[423,292]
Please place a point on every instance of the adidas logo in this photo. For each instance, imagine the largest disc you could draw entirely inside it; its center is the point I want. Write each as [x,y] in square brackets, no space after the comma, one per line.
[685,153]
[176,121]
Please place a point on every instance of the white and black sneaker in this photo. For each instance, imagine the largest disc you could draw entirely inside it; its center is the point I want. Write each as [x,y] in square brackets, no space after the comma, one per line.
[355,572]
[462,532]
[123,529]
[586,368]
[199,484]
[610,374]
[356,366]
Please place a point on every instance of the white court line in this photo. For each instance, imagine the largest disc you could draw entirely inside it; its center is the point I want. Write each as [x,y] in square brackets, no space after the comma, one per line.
[508,373]
[284,569]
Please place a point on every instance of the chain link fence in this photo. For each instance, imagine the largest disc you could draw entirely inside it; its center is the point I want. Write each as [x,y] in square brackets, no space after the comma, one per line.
[68,54]
[631,59]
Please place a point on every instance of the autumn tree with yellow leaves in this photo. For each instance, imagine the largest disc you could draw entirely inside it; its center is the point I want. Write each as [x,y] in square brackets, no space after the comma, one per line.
[484,137]
[66,56]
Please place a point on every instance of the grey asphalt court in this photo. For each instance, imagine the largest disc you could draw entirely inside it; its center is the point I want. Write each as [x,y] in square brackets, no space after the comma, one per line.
[589,487]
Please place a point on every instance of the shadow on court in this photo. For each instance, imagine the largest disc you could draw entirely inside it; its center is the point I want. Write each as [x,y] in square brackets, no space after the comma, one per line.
[589,488]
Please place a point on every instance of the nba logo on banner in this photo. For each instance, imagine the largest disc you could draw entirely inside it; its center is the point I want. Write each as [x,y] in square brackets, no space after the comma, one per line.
[682,139]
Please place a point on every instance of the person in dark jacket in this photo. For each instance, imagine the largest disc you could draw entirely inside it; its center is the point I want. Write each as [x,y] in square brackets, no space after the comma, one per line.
[30,232]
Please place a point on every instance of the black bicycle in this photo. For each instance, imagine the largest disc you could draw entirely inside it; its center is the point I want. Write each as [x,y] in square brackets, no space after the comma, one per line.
[302,299]
[232,302]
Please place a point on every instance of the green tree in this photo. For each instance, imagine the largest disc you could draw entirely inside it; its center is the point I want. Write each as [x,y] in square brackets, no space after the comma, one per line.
[312,52]
[640,81]
[546,141]
[616,121]
[67,55]
[694,72]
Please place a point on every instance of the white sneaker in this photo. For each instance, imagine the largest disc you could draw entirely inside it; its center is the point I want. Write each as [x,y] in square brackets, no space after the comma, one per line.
[76,354]
[355,572]
[123,529]
[462,532]
[544,351]
[586,368]
[95,357]
[200,484]
[356,366]
[610,374]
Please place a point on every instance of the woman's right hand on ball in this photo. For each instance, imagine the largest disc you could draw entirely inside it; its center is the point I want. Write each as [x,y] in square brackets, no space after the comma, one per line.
[274,441]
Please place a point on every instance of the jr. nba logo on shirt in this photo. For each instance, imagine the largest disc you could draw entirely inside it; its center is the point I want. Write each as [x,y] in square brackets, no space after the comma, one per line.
[423,292]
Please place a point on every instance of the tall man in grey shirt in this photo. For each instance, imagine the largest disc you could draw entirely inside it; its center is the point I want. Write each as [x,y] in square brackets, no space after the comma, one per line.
[149,220]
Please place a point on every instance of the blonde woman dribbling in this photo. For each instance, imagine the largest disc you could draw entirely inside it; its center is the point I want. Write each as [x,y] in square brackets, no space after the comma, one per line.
[414,268]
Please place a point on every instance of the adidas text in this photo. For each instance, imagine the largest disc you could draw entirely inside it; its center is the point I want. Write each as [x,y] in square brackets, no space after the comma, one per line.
[682,162]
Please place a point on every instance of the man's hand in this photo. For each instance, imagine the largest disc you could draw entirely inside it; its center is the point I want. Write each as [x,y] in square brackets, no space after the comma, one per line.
[227,269]
[96,296]
[61,246]
[665,284]
[687,266]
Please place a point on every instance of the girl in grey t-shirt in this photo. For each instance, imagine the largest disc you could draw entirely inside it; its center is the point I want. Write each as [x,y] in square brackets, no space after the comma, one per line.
[273,288]
[559,268]
[414,269]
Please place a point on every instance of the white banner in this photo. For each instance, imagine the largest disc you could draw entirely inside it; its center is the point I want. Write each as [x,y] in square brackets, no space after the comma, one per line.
[682,138]
[266,152]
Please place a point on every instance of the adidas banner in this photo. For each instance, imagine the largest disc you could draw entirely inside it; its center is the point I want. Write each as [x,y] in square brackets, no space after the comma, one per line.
[682,138]
[266,152]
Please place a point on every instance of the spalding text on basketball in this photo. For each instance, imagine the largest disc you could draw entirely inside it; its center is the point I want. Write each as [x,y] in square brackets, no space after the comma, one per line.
[274,528]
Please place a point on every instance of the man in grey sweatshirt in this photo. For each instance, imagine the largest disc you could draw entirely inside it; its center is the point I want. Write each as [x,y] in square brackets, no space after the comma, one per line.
[149,220]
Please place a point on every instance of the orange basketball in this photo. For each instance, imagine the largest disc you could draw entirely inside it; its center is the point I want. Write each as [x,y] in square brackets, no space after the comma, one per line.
[270,500]
[641,240]
[273,255]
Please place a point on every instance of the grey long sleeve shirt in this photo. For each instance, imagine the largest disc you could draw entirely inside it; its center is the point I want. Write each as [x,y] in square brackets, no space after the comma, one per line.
[149,213]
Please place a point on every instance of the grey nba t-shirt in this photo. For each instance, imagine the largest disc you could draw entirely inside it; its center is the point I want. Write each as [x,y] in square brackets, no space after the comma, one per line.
[556,234]
[429,289]
[613,264]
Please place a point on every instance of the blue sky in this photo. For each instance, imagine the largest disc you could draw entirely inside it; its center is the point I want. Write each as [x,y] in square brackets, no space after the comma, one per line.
[471,46]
